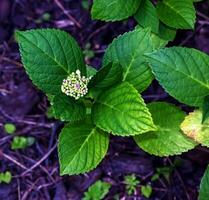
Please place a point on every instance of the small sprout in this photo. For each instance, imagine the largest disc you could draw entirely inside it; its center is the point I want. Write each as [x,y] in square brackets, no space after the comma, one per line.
[9,128]
[97,191]
[75,85]
[20,142]
[155,177]
[165,171]
[85,4]
[5,177]
[46,16]
[131,184]
[146,190]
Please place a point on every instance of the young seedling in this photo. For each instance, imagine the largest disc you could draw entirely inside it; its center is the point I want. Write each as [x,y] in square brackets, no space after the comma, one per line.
[20,142]
[131,183]
[97,191]
[146,190]
[9,128]
[5,177]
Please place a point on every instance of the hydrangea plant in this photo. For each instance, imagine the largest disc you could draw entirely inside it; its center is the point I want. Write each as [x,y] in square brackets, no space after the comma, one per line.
[94,104]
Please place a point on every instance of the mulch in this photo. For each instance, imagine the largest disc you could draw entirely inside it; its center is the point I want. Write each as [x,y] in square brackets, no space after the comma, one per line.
[35,169]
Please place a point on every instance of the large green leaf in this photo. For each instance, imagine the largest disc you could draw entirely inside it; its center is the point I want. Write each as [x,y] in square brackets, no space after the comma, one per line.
[121,111]
[113,10]
[49,55]
[67,109]
[193,127]
[147,16]
[168,139]
[107,76]
[204,186]
[128,50]
[81,147]
[177,14]
[182,72]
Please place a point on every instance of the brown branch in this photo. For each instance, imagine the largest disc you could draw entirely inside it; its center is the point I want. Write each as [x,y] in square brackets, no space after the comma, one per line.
[13,160]
[71,18]
[40,161]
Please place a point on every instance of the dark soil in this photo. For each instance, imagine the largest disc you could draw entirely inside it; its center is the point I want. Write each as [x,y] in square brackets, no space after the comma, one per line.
[35,170]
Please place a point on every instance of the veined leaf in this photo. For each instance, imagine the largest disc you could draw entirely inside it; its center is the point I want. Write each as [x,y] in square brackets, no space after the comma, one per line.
[183,73]
[107,76]
[121,111]
[49,55]
[147,16]
[128,49]
[67,109]
[204,185]
[113,10]
[81,147]
[177,14]
[168,139]
[192,126]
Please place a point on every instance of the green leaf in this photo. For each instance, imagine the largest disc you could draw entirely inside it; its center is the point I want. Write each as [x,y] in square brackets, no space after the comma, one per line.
[128,49]
[67,109]
[121,111]
[192,126]
[9,128]
[113,10]
[49,55]
[158,42]
[5,177]
[182,72]
[90,71]
[204,185]
[166,33]
[107,76]
[97,191]
[177,14]
[146,191]
[81,147]
[168,139]
[147,16]
[205,109]
[20,142]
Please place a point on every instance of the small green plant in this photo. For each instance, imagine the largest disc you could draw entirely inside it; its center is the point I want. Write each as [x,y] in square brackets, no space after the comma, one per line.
[44,18]
[5,177]
[165,172]
[9,128]
[97,191]
[131,183]
[94,104]
[146,190]
[20,142]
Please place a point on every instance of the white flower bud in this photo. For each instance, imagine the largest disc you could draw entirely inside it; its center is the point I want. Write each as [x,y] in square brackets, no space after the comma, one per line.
[75,85]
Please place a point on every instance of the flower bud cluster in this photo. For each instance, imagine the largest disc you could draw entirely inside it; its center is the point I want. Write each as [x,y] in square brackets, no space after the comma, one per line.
[75,85]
